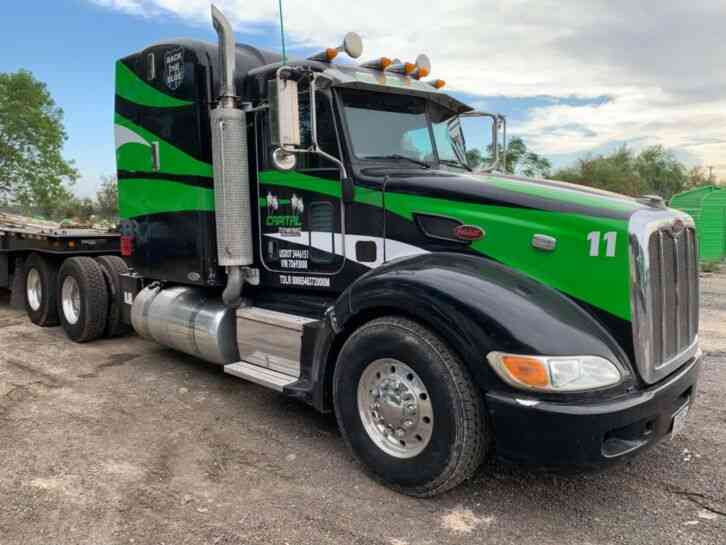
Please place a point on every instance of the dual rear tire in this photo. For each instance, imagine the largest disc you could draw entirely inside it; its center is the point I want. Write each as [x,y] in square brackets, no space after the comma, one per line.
[83,295]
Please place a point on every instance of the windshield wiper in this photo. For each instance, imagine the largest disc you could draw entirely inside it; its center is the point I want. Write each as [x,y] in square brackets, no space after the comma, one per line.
[454,163]
[399,156]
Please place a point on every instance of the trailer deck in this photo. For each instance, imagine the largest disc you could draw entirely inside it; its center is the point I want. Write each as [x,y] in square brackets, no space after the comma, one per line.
[18,234]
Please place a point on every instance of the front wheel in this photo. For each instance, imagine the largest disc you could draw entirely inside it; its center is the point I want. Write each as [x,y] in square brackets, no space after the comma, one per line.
[408,408]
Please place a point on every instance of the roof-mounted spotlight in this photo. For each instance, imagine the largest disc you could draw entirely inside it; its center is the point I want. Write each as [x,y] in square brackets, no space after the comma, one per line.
[352,45]
[378,64]
[423,66]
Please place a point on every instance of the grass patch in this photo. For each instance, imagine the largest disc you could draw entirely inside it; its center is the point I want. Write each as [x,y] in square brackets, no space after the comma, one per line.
[710,266]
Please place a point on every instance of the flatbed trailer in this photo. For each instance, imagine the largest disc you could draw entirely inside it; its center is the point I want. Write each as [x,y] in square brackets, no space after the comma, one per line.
[32,253]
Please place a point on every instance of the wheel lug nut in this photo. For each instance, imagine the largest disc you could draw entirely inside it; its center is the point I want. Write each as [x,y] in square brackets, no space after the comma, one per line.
[400,432]
[407,423]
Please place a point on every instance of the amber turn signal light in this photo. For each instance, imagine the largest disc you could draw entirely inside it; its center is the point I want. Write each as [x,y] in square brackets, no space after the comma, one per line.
[528,371]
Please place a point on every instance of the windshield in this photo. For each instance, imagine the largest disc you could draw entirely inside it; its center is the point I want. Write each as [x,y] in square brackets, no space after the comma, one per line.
[388,126]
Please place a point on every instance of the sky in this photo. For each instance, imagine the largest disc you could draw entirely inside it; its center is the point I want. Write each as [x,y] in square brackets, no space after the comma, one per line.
[573,77]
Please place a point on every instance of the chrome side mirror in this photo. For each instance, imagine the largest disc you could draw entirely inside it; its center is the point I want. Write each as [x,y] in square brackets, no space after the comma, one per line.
[284,111]
[499,152]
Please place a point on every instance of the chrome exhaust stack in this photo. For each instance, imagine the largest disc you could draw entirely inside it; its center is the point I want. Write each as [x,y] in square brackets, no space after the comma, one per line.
[233,212]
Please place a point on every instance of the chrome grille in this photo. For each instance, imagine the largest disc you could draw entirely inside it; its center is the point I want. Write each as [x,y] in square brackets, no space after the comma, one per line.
[665,291]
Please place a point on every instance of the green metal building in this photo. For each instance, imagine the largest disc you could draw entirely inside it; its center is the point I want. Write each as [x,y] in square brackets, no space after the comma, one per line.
[707,206]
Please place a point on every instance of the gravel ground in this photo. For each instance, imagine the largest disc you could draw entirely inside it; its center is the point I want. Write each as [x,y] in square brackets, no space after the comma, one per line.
[124,442]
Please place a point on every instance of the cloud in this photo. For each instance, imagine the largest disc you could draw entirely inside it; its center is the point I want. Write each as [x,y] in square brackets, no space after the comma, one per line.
[658,64]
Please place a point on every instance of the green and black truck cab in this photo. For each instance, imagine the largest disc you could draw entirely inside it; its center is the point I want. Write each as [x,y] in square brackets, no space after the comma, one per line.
[314,227]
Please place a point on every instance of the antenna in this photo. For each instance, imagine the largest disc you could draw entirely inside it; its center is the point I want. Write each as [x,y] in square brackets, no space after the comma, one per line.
[282,33]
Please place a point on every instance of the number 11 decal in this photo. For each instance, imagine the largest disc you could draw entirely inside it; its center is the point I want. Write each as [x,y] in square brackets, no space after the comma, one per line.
[610,239]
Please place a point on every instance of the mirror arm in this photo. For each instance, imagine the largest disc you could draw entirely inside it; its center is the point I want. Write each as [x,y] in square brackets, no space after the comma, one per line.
[504,140]
[315,147]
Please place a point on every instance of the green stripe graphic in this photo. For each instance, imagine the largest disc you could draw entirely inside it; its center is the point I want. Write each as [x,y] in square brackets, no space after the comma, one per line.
[140,197]
[600,280]
[137,157]
[132,88]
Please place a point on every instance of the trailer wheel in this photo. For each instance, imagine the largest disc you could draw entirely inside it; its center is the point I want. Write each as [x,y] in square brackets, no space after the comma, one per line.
[40,294]
[113,267]
[82,299]
[408,409]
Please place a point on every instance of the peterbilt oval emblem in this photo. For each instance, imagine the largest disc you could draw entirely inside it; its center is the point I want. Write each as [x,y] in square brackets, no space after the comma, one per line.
[677,227]
[468,232]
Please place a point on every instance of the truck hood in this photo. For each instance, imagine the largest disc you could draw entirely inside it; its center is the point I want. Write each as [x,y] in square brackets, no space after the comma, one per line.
[590,260]
[512,191]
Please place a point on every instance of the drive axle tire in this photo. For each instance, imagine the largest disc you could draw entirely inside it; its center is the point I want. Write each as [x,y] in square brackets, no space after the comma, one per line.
[113,267]
[408,408]
[82,299]
[40,290]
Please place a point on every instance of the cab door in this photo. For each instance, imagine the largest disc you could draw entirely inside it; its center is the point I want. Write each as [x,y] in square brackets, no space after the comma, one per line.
[302,239]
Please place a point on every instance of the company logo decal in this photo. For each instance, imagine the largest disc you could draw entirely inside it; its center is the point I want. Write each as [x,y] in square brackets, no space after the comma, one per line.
[283,213]
[174,68]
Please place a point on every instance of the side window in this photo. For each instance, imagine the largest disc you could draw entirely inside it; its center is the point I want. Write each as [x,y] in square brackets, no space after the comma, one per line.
[444,142]
[327,137]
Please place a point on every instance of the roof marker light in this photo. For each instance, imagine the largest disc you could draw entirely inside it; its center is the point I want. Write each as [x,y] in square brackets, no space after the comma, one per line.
[378,64]
[405,68]
[437,83]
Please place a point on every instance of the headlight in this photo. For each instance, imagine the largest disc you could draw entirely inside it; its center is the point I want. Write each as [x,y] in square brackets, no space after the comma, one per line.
[555,374]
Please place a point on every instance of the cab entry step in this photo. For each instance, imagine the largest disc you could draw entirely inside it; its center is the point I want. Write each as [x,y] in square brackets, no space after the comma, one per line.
[260,375]
[270,339]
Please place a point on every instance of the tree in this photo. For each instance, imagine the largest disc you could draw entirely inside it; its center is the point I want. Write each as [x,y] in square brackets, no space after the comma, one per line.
[697,177]
[660,172]
[522,161]
[474,158]
[33,172]
[519,159]
[653,171]
[107,198]
[615,172]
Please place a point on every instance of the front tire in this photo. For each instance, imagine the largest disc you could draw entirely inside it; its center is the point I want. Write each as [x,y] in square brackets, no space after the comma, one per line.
[407,407]
[82,299]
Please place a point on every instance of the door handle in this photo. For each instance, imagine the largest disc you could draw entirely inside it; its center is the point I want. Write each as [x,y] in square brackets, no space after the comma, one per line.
[155,158]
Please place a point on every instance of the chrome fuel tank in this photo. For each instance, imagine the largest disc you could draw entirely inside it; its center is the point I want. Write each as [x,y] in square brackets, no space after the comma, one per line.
[187,320]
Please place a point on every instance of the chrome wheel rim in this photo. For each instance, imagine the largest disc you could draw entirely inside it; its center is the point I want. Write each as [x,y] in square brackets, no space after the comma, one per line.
[395,408]
[71,300]
[34,289]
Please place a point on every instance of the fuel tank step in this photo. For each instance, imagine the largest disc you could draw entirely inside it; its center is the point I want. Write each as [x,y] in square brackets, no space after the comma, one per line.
[270,339]
[259,375]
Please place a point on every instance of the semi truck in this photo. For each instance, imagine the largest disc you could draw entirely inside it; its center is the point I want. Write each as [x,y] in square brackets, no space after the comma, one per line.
[313,226]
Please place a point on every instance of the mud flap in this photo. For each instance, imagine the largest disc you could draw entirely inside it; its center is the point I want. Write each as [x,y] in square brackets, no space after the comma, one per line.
[17,294]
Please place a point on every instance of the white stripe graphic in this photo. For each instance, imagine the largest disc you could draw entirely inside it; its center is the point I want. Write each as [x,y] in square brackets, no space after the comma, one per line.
[124,136]
[331,243]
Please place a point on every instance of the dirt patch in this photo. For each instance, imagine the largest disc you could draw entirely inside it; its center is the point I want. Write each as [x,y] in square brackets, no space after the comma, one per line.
[160,448]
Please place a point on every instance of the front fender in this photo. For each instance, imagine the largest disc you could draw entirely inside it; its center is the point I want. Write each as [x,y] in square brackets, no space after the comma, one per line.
[477,306]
